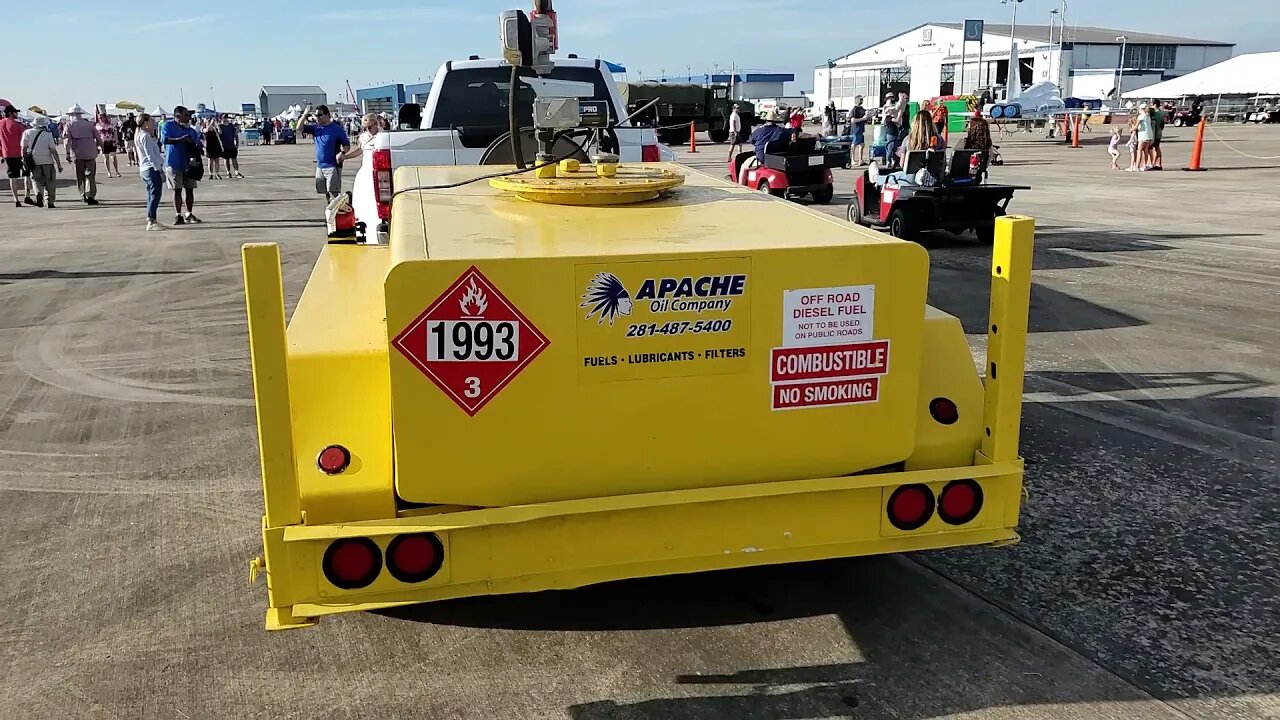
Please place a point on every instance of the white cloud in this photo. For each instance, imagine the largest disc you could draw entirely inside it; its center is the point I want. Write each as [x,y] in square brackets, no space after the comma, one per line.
[196,20]
[399,15]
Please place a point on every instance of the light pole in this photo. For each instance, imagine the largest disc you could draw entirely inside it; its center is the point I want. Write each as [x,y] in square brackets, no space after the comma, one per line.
[1015,67]
[1120,68]
[1053,16]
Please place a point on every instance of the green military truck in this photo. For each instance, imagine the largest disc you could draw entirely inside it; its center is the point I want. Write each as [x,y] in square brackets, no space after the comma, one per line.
[678,104]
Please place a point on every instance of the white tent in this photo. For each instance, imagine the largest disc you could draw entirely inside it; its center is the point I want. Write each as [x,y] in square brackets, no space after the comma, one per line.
[1253,74]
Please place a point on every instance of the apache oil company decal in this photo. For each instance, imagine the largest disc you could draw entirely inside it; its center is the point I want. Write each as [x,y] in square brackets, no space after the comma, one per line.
[829,355]
[667,318]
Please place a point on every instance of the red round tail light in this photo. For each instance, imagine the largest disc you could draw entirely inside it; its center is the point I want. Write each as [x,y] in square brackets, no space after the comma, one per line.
[333,459]
[414,558]
[910,506]
[943,410]
[352,563]
[961,501]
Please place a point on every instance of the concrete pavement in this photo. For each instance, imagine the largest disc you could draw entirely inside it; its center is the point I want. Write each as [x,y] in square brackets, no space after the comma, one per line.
[1145,586]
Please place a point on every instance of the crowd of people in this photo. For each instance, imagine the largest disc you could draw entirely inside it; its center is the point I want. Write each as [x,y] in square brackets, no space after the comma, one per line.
[167,152]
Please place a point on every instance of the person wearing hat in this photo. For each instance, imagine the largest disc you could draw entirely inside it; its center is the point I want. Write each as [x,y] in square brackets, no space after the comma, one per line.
[773,130]
[11,131]
[181,148]
[83,144]
[735,131]
[38,143]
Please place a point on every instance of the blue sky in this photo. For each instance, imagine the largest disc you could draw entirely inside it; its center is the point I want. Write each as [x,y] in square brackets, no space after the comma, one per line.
[158,51]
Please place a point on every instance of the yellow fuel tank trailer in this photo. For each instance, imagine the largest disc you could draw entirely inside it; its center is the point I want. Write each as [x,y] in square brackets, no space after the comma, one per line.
[515,395]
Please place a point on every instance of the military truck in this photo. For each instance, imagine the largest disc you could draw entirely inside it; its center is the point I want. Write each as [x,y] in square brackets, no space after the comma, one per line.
[679,104]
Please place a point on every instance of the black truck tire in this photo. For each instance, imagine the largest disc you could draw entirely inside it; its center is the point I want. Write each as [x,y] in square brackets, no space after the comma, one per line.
[718,135]
[901,224]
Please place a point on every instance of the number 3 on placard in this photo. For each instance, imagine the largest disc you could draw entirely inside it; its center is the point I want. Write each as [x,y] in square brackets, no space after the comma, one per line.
[473,387]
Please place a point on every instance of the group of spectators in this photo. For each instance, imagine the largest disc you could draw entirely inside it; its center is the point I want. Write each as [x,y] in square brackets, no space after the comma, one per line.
[1146,128]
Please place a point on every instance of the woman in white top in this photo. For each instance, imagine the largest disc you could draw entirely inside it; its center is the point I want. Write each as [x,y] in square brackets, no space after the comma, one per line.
[1146,134]
[38,143]
[150,167]
[372,126]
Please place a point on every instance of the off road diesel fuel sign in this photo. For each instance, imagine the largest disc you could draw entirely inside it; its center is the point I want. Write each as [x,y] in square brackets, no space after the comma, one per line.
[828,355]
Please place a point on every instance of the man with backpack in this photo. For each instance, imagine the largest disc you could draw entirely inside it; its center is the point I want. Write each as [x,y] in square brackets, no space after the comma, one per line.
[40,158]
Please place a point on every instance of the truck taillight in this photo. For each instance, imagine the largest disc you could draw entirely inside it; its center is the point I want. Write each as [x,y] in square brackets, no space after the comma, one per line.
[961,502]
[415,558]
[382,182]
[352,563]
[650,153]
[910,506]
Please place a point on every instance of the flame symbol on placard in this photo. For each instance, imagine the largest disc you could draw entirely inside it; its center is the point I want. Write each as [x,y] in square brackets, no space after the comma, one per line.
[473,302]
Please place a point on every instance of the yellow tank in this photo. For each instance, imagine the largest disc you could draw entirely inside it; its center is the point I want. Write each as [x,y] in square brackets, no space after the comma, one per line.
[519,395]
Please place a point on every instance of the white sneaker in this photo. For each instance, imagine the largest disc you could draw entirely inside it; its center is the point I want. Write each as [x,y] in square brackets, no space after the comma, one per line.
[156,226]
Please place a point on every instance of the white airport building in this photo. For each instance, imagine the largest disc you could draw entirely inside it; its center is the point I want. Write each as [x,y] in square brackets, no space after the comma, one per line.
[933,59]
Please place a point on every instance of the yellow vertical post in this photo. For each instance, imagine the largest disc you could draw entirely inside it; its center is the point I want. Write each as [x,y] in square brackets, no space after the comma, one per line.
[1007,336]
[268,350]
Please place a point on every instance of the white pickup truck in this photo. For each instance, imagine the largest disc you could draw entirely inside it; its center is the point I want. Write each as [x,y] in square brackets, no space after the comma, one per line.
[466,111]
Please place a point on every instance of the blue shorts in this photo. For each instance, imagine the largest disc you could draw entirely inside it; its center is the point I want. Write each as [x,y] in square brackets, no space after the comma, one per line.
[859,138]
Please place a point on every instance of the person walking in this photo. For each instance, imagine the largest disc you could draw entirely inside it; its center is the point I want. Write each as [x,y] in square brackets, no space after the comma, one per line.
[735,131]
[1113,148]
[1133,143]
[110,144]
[1146,133]
[229,134]
[83,143]
[181,158]
[11,131]
[889,120]
[330,140]
[37,143]
[128,131]
[150,167]
[213,147]
[858,133]
[1157,131]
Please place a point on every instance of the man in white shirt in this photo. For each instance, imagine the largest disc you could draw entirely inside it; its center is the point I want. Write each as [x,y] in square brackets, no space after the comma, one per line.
[38,143]
[735,131]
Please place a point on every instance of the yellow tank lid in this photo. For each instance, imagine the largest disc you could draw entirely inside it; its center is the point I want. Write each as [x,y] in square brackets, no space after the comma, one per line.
[583,186]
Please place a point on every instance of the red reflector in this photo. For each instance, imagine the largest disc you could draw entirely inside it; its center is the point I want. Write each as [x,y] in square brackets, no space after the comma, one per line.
[943,410]
[352,563]
[414,558]
[333,459]
[910,506]
[650,153]
[961,502]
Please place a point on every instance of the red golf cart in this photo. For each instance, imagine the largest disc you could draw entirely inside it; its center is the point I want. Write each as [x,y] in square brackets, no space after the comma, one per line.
[790,170]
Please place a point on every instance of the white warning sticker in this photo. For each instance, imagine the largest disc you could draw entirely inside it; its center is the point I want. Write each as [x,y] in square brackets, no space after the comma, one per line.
[828,316]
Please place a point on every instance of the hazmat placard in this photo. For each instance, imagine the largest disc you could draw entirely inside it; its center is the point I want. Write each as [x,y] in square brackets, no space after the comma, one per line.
[850,391]
[664,318]
[828,316]
[471,342]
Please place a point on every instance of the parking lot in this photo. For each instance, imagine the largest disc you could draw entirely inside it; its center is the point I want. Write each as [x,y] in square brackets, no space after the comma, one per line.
[1145,586]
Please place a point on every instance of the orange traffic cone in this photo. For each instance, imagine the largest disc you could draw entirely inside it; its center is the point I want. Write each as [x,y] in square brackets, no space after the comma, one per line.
[1075,135]
[693,141]
[1197,149]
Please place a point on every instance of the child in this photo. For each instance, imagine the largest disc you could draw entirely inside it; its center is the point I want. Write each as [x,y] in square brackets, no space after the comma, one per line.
[1114,148]
[1133,144]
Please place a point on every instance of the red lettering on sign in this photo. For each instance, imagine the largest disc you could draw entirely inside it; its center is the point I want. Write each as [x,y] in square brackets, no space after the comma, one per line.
[852,391]
[829,361]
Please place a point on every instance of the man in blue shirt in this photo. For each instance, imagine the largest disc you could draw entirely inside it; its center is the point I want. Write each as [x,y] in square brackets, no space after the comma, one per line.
[771,131]
[330,140]
[181,145]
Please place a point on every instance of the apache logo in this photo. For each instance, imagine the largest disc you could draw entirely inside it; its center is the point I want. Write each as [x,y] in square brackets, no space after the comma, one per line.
[606,297]
[473,302]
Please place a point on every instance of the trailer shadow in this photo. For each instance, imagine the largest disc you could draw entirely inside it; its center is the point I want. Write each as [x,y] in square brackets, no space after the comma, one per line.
[1144,572]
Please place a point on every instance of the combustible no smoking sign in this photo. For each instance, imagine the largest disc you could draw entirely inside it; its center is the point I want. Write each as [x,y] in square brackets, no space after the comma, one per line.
[471,341]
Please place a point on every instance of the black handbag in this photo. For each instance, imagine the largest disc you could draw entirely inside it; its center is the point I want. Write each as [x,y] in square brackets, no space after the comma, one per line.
[195,166]
[28,159]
